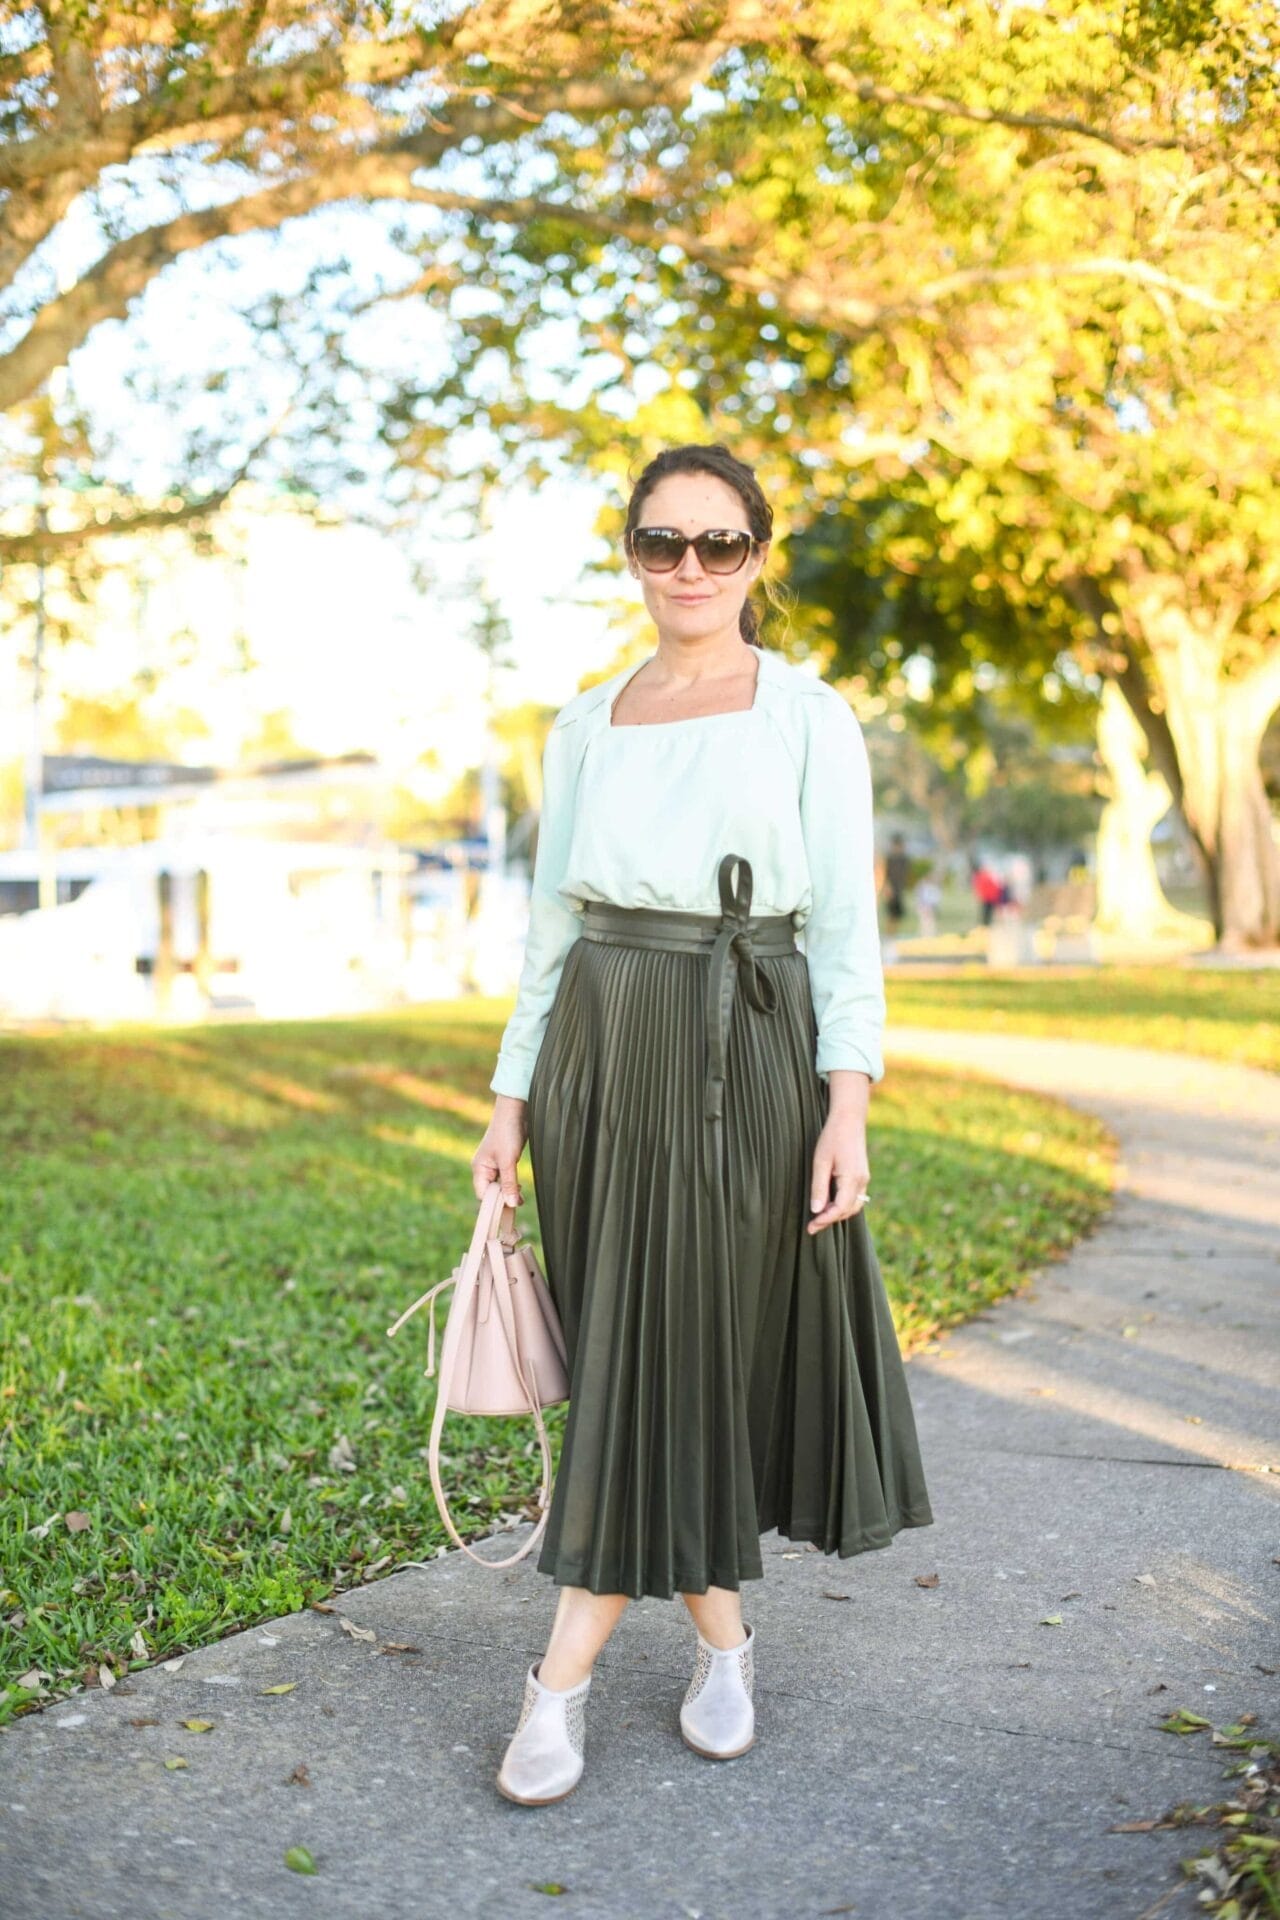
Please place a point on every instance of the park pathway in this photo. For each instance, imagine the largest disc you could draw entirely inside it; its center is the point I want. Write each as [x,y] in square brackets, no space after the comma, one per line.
[1097,1450]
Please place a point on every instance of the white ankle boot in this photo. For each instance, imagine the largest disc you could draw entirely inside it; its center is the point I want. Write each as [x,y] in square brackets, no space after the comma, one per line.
[717,1718]
[544,1760]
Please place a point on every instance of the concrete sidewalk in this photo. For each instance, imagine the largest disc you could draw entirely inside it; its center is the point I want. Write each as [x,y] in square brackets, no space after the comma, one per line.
[1097,1449]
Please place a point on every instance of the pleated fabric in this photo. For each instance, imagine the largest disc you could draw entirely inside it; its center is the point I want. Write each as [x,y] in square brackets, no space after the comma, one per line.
[729,1372]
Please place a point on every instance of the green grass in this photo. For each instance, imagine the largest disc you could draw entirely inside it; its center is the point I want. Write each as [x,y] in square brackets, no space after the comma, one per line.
[1223,1014]
[204,1234]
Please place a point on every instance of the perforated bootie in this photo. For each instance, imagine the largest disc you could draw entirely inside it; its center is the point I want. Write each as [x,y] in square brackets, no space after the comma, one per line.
[718,1716]
[544,1759]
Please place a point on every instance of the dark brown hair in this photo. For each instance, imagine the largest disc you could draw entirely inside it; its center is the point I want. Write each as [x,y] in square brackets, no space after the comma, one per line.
[716,460]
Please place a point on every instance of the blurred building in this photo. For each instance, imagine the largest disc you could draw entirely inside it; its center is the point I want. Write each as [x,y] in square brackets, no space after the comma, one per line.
[233,908]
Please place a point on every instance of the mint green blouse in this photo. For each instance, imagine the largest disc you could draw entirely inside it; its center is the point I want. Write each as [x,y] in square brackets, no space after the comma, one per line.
[641,815]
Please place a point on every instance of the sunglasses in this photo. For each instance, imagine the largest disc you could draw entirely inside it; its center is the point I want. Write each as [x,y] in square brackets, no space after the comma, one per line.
[719,549]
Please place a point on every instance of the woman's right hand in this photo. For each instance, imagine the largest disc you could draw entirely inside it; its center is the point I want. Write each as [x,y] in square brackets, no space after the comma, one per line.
[498,1155]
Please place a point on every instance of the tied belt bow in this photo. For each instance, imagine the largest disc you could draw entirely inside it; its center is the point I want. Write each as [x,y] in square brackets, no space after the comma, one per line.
[732,954]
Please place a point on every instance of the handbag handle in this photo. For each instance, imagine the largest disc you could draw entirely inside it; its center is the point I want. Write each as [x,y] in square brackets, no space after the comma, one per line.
[485,1245]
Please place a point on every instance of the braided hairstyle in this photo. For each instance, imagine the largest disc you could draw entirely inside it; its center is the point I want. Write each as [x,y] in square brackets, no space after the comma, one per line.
[725,466]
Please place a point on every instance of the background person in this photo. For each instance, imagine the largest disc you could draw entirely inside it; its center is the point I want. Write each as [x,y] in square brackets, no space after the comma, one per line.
[897,870]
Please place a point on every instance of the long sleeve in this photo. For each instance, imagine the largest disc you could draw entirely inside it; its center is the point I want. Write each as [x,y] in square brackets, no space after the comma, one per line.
[841,935]
[553,925]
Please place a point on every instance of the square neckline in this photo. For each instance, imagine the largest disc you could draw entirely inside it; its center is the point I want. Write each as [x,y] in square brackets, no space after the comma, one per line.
[692,719]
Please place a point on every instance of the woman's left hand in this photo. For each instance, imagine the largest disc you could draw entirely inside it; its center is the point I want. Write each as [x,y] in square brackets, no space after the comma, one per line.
[840,1156]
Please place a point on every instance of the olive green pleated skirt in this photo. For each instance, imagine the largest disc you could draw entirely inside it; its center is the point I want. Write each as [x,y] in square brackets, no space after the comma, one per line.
[729,1372]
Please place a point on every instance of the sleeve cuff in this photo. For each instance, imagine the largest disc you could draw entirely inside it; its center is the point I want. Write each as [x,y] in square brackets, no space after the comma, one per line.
[511,1080]
[862,1062]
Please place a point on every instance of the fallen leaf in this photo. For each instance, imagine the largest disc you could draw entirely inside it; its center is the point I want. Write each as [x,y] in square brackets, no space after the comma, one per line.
[78,1521]
[1236,1735]
[197,1726]
[926,1579]
[321,1606]
[299,1777]
[300,1860]
[357,1633]
[1183,1721]
[1144,1579]
[1051,1620]
[827,1594]
[144,1723]
[171,1666]
[286,1686]
[1133,1826]
[398,1646]
[176,1760]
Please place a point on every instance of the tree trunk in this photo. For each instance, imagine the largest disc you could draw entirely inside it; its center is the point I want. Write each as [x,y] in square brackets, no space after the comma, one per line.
[1217,724]
[1131,901]
[1249,865]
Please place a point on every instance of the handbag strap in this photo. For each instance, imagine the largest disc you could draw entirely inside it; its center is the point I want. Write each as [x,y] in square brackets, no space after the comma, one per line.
[470,1265]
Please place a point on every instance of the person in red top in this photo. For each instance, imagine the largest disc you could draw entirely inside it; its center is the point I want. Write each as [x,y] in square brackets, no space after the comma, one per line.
[987,890]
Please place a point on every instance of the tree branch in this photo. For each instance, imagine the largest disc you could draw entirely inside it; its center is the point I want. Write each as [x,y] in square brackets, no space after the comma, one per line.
[864,88]
[187,108]
[1105,266]
[44,174]
[47,544]
[106,291]
[799,299]
[380,173]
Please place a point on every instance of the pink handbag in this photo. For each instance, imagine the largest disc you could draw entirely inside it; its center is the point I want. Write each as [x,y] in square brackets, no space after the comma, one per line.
[503,1349]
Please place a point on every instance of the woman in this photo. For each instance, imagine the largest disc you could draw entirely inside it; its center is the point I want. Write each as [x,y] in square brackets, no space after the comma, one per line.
[691,1085]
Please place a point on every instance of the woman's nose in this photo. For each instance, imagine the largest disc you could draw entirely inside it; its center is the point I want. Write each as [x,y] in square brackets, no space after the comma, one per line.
[690,568]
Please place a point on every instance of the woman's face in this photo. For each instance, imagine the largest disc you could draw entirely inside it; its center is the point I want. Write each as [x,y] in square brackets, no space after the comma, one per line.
[691,603]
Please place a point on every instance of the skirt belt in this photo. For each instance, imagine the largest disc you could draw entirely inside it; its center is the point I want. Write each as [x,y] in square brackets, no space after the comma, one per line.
[734,939]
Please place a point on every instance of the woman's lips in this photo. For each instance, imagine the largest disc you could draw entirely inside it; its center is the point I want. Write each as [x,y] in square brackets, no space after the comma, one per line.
[690,599]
